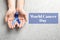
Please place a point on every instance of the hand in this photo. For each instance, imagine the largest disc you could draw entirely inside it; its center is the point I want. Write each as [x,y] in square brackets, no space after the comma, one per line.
[9,18]
[22,17]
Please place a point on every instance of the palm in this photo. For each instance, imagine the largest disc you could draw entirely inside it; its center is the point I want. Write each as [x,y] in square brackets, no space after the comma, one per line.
[22,18]
[9,18]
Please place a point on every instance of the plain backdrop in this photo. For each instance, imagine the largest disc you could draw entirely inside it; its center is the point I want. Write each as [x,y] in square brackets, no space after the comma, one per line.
[32,31]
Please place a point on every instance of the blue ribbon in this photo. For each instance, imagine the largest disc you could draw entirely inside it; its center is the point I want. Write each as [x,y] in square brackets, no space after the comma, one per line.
[16,18]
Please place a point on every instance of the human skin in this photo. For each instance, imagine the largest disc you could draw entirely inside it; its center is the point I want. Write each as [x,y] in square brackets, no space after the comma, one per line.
[11,11]
[22,17]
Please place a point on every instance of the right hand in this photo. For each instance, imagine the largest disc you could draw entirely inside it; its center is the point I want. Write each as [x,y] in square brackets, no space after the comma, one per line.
[9,18]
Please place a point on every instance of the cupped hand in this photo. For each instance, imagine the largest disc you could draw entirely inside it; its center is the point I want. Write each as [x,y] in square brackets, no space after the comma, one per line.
[22,17]
[9,18]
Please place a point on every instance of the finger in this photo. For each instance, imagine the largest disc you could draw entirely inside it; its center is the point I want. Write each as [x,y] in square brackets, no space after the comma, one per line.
[7,16]
[20,18]
[17,24]
[25,18]
[10,23]
[23,22]
[12,26]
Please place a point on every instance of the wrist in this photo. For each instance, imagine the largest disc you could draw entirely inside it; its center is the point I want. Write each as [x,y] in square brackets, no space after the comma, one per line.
[11,9]
[19,8]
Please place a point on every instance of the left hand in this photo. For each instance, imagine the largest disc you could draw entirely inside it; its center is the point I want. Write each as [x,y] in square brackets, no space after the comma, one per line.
[22,17]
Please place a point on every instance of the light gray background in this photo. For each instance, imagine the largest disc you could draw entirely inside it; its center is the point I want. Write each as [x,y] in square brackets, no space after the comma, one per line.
[32,31]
